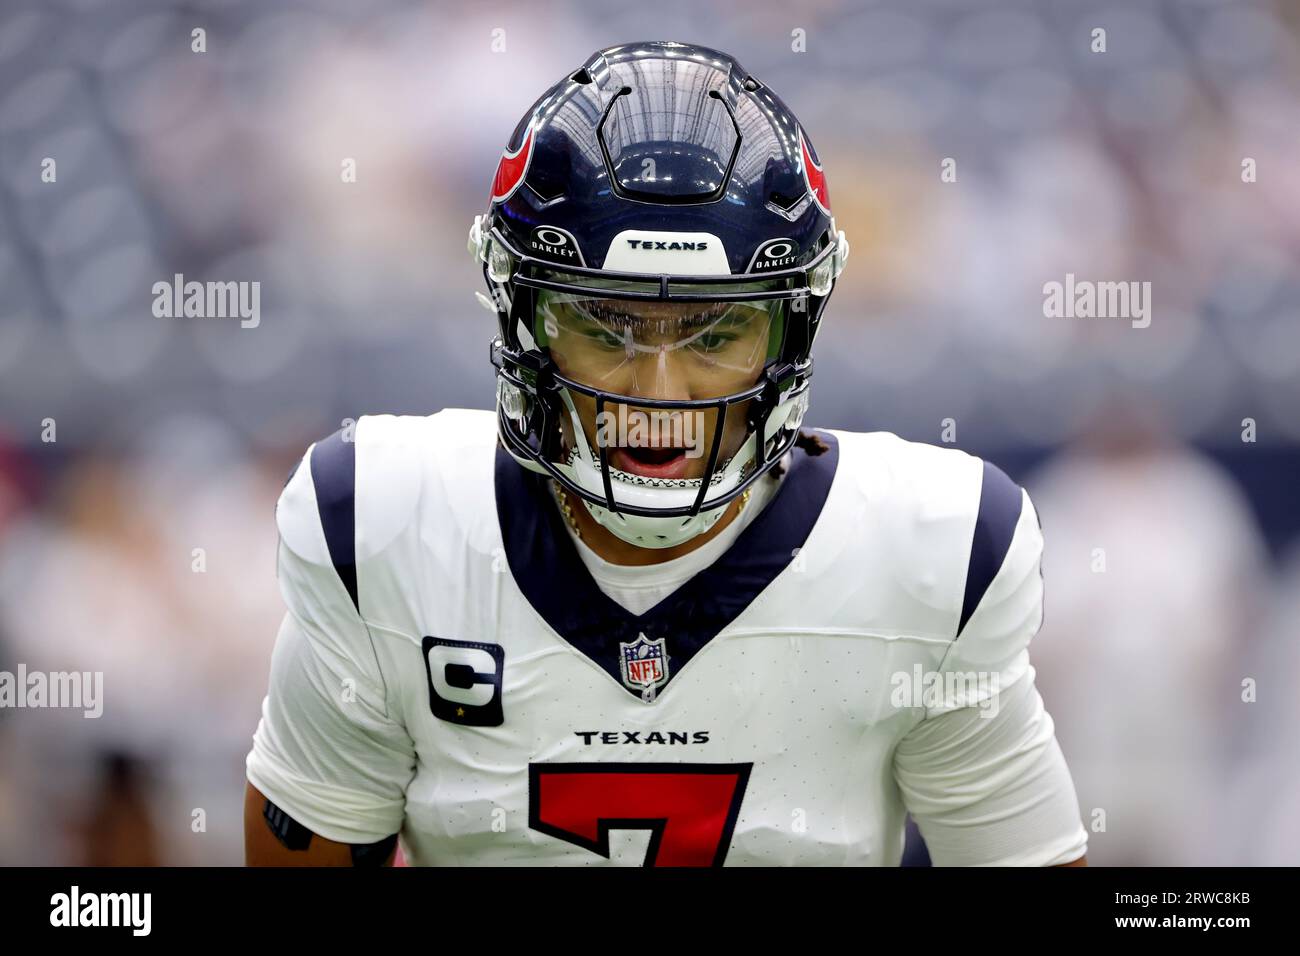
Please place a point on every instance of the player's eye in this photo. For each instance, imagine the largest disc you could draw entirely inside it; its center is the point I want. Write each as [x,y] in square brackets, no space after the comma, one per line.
[714,341]
[603,337]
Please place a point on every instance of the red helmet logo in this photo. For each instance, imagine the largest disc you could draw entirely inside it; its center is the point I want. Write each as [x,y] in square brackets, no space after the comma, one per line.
[814,177]
[511,169]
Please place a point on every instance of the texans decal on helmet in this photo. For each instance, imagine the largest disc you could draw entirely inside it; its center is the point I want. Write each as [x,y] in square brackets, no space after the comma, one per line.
[814,176]
[512,169]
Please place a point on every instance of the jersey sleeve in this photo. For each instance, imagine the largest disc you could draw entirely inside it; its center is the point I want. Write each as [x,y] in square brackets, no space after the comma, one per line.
[982,772]
[328,750]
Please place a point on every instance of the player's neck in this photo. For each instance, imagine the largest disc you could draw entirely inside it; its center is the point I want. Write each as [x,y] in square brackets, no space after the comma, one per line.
[615,550]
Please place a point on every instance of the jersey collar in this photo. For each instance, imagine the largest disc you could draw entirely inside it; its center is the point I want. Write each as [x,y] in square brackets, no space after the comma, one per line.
[552,577]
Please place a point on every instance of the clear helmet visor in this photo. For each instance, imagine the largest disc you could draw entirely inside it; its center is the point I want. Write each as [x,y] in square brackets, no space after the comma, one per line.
[659,350]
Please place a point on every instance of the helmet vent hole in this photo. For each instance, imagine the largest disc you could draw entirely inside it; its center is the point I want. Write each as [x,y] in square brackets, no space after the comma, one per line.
[752,84]
[581,76]
[782,200]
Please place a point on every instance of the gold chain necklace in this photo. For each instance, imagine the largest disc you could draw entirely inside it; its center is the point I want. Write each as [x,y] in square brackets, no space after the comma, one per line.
[573,521]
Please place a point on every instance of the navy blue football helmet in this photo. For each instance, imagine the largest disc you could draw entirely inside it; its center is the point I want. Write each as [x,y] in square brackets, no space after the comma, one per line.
[657,202]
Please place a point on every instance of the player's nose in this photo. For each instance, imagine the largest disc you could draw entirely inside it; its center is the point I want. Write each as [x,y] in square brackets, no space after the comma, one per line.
[660,374]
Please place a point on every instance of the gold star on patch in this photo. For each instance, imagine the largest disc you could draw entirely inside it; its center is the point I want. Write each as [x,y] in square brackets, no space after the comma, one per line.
[460,711]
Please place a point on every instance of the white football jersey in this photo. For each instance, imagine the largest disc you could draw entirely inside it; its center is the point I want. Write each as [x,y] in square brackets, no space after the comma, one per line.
[449,670]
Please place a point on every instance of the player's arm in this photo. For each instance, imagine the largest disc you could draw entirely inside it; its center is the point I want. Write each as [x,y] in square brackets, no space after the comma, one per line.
[983,774]
[331,753]
[273,838]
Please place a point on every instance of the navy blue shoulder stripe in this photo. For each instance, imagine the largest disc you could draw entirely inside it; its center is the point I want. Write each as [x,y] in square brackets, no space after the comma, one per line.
[995,526]
[333,474]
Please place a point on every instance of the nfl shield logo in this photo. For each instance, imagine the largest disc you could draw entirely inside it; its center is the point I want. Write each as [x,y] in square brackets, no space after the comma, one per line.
[644,664]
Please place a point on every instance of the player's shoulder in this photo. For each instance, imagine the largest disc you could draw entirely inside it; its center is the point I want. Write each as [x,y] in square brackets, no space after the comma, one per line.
[358,488]
[921,481]
[944,519]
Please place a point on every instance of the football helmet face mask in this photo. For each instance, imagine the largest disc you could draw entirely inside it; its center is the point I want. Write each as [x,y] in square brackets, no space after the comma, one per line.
[658,260]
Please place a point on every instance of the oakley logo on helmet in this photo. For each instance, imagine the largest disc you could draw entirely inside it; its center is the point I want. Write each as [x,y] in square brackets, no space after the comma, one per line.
[774,254]
[555,243]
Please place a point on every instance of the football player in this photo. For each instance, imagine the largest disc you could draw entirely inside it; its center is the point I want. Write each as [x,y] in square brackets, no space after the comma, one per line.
[639,613]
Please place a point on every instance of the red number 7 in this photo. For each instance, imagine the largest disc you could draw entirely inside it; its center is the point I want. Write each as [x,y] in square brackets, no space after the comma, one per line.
[689,808]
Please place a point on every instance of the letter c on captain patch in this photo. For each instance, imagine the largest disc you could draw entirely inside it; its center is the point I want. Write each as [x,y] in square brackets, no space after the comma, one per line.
[464,681]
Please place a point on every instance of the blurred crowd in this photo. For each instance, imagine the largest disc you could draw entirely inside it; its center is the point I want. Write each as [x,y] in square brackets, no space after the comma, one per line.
[140,542]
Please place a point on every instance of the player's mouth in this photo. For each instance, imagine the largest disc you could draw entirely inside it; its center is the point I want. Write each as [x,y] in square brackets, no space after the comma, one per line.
[662,462]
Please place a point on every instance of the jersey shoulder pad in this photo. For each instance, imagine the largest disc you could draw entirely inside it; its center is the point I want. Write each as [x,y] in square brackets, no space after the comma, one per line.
[357,490]
[317,511]
[944,518]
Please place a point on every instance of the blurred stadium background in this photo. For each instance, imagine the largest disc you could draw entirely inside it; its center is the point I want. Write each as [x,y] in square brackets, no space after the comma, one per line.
[176,434]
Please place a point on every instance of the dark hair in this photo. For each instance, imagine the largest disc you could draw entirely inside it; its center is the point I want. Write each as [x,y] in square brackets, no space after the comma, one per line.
[810,443]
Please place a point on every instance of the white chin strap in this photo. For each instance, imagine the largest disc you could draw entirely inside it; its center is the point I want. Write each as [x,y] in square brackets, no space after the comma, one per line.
[640,491]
